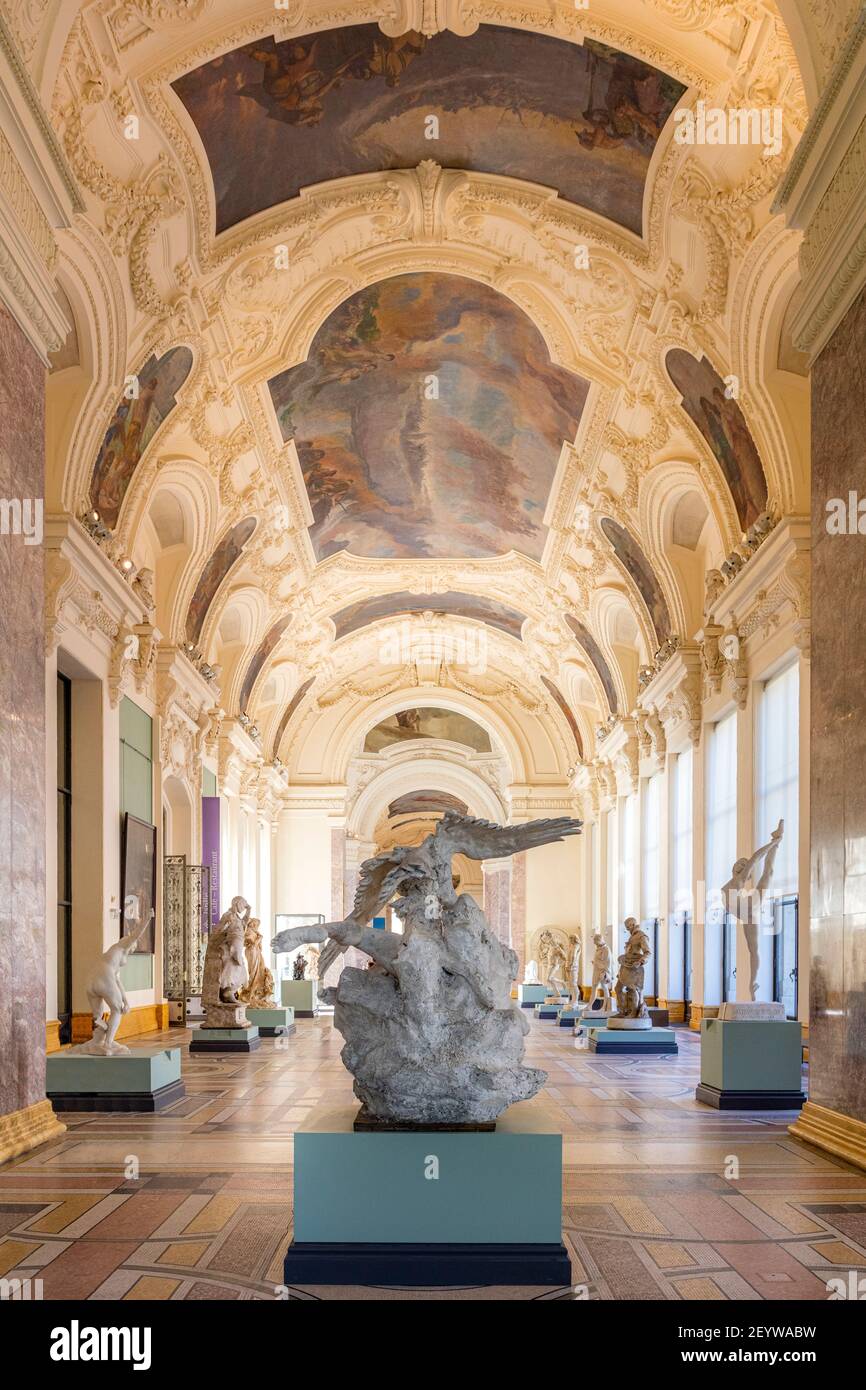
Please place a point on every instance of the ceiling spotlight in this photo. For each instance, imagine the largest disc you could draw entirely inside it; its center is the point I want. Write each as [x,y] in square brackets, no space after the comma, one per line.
[126,564]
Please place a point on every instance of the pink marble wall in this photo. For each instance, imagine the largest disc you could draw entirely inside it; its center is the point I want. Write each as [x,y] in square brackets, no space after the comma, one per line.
[22,732]
[837,1021]
[518,909]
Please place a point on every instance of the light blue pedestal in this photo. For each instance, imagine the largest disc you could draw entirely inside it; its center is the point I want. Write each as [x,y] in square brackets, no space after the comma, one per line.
[148,1079]
[272,1022]
[634,1042]
[530,995]
[225,1040]
[427,1206]
[299,995]
[751,1064]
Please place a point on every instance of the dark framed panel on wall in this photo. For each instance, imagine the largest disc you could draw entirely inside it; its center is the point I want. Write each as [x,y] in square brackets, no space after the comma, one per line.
[138,879]
[786,919]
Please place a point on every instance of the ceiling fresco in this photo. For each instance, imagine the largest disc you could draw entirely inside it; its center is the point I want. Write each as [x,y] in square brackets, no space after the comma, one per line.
[426,803]
[221,561]
[133,425]
[723,425]
[278,117]
[632,558]
[289,711]
[428,421]
[427,722]
[586,640]
[563,704]
[483,610]
[266,646]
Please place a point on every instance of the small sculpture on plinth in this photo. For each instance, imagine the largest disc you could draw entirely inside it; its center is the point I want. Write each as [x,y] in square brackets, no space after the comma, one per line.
[104,989]
[312,954]
[258,992]
[631,1011]
[530,974]
[225,969]
[299,967]
[745,904]
[602,980]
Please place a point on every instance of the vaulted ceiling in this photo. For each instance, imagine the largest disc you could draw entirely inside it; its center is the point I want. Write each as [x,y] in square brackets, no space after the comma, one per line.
[386,317]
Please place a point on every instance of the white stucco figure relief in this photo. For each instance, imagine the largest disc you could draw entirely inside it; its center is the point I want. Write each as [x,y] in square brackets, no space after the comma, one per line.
[530,975]
[225,969]
[745,903]
[602,981]
[104,990]
[431,1033]
[631,1010]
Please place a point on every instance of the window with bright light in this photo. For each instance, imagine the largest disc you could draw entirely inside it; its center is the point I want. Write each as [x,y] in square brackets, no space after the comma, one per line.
[612,876]
[681,833]
[650,847]
[595,871]
[721,807]
[628,906]
[777,781]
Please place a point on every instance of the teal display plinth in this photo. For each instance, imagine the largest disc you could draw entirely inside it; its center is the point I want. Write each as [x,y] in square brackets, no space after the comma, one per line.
[547,1010]
[272,1023]
[426,1206]
[148,1079]
[225,1039]
[649,1042]
[751,1064]
[529,995]
[299,995]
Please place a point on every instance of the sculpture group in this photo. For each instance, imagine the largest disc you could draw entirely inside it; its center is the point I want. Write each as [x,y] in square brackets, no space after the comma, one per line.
[432,1036]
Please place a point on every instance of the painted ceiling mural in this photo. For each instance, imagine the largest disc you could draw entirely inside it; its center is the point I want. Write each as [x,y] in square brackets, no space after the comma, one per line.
[557,695]
[426,803]
[278,117]
[266,646]
[227,552]
[586,640]
[133,425]
[403,603]
[633,560]
[427,722]
[289,711]
[429,421]
[723,425]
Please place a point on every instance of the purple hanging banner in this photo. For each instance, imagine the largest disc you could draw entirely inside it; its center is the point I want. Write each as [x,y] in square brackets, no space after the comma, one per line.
[210,851]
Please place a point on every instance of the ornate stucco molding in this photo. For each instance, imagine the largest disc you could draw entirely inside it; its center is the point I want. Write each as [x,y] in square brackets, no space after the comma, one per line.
[824,194]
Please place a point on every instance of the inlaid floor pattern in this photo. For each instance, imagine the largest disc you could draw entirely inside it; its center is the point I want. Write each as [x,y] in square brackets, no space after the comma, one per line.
[663,1198]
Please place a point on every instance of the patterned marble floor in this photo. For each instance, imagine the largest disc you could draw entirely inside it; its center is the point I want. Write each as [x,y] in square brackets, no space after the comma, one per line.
[649,1208]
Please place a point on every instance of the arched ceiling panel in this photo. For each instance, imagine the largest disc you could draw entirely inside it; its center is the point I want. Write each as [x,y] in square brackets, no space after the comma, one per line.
[429,421]
[277,117]
[482,609]
[408,725]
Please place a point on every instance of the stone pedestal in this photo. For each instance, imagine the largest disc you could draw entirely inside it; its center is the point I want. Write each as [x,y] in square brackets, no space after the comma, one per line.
[437,1208]
[300,996]
[272,1022]
[530,995]
[751,1065]
[225,1039]
[148,1079]
[649,1042]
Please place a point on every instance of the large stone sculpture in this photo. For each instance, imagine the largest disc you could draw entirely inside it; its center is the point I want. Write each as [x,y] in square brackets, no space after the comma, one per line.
[258,992]
[602,980]
[631,1011]
[225,969]
[105,990]
[553,959]
[572,966]
[745,904]
[431,1034]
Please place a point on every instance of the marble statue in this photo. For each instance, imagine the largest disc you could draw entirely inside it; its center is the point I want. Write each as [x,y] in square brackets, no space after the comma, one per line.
[432,1036]
[631,1010]
[572,965]
[745,904]
[258,992]
[602,981]
[530,975]
[312,955]
[553,961]
[103,989]
[225,969]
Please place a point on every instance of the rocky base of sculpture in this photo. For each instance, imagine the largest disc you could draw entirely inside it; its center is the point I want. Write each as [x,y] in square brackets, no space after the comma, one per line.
[225,1016]
[441,1047]
[630,1025]
[99,1046]
[366,1123]
[740,1011]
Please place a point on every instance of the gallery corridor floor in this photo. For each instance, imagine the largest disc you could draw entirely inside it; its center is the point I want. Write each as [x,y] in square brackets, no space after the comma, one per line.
[648,1211]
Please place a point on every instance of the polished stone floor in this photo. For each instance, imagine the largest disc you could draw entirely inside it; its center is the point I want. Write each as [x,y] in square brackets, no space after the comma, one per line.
[663,1198]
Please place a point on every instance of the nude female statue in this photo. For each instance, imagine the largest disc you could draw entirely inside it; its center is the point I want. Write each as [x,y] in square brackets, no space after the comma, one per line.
[104,989]
[740,902]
